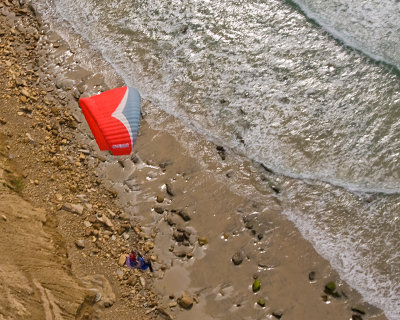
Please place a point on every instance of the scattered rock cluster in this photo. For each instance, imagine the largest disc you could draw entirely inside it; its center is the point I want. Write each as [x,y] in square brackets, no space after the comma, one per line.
[184,236]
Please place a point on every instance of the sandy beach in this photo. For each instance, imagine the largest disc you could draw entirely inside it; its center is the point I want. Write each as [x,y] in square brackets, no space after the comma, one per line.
[70,214]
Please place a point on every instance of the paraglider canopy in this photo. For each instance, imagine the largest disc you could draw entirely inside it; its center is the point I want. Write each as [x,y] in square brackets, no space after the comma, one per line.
[113,117]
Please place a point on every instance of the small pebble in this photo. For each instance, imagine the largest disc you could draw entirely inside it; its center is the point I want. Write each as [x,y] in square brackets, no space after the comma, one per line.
[80,244]
[142,281]
[358,311]
[202,241]
[159,210]
[186,300]
[261,302]
[237,258]
[121,260]
[277,315]
[256,285]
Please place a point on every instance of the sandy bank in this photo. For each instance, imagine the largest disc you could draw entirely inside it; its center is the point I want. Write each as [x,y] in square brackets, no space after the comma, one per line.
[36,281]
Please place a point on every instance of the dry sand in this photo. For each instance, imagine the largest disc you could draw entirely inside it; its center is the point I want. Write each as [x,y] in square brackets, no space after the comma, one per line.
[70,214]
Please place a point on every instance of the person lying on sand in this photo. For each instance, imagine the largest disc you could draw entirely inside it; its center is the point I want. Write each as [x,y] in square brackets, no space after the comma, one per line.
[136,261]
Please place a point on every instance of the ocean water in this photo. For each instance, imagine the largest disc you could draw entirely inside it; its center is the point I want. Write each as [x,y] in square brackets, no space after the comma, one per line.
[308,88]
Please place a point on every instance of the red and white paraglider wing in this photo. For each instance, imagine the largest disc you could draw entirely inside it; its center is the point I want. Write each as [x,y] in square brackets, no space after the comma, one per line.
[113,116]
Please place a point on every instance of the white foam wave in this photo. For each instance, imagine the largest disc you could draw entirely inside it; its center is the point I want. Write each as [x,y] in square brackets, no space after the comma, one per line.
[346,258]
[367,26]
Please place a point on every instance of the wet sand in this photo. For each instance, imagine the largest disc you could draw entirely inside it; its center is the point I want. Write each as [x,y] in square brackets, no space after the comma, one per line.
[178,198]
[208,188]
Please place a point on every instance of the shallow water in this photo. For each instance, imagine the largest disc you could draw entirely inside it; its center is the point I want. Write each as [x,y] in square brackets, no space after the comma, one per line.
[268,83]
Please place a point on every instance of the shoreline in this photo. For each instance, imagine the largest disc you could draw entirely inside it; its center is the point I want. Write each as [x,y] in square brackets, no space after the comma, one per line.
[165,177]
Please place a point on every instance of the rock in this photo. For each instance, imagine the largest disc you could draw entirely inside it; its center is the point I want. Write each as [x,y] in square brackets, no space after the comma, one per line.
[256,285]
[106,221]
[88,232]
[159,210]
[248,223]
[185,216]
[131,280]
[169,191]
[237,258]
[121,260]
[99,284]
[179,236]
[86,152]
[174,220]
[160,199]
[221,152]
[132,185]
[182,251]
[137,230]
[277,314]
[73,208]
[80,244]
[164,313]
[76,93]
[186,300]
[356,317]
[29,138]
[113,192]
[125,236]
[64,84]
[330,289]
[142,282]
[358,310]
[120,273]
[311,276]
[81,88]
[164,165]
[87,224]
[275,188]
[25,93]
[202,241]
[59,197]
[261,302]
[125,216]
[149,245]
[123,227]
